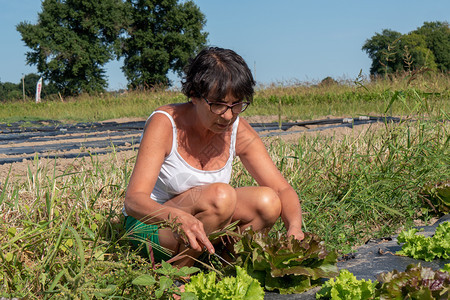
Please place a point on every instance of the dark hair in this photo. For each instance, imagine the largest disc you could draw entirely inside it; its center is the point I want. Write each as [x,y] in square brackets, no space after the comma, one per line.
[215,72]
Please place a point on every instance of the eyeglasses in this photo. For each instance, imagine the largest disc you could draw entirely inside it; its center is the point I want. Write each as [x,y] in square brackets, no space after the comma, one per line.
[221,108]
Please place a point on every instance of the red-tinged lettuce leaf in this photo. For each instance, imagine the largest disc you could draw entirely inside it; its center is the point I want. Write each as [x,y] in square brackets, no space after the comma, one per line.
[416,282]
[284,263]
[439,195]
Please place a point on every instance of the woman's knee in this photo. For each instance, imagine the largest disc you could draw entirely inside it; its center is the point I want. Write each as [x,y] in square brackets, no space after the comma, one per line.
[222,200]
[268,205]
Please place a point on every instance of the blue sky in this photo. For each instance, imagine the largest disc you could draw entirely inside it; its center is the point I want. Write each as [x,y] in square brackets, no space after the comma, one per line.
[283,41]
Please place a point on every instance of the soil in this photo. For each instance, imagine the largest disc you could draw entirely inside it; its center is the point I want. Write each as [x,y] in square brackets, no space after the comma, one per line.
[65,148]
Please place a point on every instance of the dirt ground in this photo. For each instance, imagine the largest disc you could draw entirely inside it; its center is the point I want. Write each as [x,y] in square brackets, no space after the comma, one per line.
[20,168]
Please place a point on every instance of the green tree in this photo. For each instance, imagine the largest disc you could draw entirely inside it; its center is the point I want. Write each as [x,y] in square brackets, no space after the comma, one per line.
[10,91]
[437,38]
[162,36]
[427,47]
[383,48]
[72,41]
[415,53]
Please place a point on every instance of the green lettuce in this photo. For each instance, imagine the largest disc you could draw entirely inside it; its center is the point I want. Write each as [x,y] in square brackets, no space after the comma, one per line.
[446,268]
[283,263]
[242,287]
[346,286]
[427,248]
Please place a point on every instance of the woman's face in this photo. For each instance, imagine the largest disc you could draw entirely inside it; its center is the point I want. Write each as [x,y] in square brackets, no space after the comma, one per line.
[209,112]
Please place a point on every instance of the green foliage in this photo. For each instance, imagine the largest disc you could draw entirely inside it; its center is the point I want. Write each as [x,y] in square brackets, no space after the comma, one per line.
[71,42]
[382,49]
[162,36]
[11,91]
[446,268]
[428,48]
[284,263]
[437,39]
[426,248]
[416,282]
[415,54]
[68,241]
[347,287]
[242,286]
[438,196]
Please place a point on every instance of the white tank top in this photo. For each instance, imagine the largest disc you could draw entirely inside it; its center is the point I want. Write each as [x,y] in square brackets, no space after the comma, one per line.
[177,176]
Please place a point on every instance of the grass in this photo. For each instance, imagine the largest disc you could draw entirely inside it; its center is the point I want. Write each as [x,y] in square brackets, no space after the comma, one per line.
[291,101]
[61,232]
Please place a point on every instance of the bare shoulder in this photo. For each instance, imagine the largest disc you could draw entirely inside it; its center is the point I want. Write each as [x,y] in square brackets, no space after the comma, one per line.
[158,131]
[171,109]
[247,138]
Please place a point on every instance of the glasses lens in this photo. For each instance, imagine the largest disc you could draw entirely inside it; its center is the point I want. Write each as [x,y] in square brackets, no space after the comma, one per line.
[240,107]
[237,108]
[218,108]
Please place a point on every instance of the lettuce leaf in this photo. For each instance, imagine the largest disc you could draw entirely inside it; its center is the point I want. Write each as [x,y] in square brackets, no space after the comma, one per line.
[283,263]
[416,282]
[439,196]
[427,248]
[241,287]
[346,286]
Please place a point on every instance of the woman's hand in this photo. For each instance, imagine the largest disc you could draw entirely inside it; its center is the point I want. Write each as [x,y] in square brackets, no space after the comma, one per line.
[194,233]
[296,232]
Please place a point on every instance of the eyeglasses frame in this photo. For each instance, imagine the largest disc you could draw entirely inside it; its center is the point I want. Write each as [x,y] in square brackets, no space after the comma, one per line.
[247,103]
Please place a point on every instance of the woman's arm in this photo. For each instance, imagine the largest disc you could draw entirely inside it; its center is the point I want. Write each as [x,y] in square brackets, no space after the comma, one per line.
[257,161]
[156,144]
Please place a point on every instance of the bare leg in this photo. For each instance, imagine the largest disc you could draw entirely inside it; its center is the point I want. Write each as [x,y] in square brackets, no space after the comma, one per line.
[212,204]
[258,207]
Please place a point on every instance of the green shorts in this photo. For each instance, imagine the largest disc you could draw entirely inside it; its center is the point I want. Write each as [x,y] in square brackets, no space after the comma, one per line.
[145,238]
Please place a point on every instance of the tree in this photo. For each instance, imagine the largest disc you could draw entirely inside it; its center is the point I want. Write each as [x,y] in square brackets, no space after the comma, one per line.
[428,47]
[415,53]
[10,91]
[383,49]
[72,41]
[163,34]
[437,38]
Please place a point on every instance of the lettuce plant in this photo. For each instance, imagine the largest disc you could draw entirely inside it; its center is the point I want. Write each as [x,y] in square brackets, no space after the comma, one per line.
[346,286]
[427,248]
[242,287]
[439,195]
[283,263]
[446,268]
[416,282]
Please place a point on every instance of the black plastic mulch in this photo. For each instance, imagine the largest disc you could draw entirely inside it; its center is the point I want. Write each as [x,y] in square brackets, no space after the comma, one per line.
[114,136]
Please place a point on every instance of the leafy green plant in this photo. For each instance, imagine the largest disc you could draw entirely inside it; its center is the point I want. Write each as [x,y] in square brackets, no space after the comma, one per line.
[283,263]
[347,287]
[203,286]
[416,282]
[438,196]
[446,268]
[427,248]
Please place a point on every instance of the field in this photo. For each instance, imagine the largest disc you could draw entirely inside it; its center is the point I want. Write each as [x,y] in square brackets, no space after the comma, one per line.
[61,222]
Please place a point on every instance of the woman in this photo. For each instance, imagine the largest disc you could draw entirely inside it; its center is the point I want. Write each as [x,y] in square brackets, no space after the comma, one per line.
[184,164]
